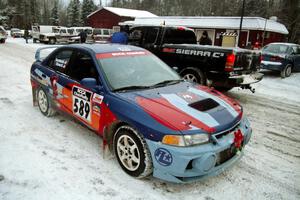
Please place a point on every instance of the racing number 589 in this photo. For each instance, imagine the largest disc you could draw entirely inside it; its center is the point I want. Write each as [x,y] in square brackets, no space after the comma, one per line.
[82,108]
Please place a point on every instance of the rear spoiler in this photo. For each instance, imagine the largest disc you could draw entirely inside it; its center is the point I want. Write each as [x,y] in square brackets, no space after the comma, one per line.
[39,51]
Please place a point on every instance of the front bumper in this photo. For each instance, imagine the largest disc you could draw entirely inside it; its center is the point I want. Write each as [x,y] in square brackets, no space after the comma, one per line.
[187,164]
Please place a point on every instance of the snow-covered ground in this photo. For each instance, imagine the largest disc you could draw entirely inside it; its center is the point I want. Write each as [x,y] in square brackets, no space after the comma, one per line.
[56,158]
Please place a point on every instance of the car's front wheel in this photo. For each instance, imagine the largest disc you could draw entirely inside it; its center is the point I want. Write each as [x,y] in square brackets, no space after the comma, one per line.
[44,103]
[286,71]
[132,152]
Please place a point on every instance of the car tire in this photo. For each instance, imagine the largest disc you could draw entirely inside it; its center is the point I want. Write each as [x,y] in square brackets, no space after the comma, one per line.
[52,40]
[132,152]
[194,75]
[34,40]
[44,103]
[287,71]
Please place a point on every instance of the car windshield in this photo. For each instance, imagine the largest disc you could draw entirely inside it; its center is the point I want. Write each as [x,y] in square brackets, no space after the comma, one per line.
[276,48]
[136,71]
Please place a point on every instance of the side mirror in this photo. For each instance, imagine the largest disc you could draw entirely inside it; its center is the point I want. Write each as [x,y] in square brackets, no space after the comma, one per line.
[89,82]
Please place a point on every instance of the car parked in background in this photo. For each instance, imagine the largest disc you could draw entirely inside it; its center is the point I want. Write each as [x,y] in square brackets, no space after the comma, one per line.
[44,33]
[15,32]
[282,57]
[101,34]
[153,120]
[3,34]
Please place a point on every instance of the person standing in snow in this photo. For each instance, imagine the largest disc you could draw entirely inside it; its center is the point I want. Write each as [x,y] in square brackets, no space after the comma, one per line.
[205,40]
[83,36]
[26,35]
[122,36]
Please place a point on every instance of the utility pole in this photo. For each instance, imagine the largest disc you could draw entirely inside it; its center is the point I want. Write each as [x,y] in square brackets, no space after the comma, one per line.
[241,22]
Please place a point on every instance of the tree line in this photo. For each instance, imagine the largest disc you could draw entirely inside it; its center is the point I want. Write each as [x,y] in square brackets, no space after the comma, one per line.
[23,13]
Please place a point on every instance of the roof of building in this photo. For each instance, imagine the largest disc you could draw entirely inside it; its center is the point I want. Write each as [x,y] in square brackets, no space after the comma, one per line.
[124,12]
[214,22]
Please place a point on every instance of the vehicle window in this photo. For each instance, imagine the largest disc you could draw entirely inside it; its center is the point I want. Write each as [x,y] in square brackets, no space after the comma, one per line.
[151,35]
[60,61]
[63,31]
[82,67]
[35,29]
[70,31]
[135,37]
[89,31]
[141,70]
[79,30]
[97,31]
[276,48]
[176,36]
[298,50]
[55,30]
[105,32]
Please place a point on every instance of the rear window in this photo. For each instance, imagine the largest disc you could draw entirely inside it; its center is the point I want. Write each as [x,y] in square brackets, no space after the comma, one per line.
[277,48]
[176,36]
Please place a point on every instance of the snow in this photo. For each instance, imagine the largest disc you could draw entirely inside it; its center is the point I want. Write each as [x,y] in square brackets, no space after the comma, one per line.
[56,158]
[249,23]
[124,12]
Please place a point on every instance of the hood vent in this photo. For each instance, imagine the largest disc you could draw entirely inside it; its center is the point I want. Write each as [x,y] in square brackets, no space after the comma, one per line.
[204,105]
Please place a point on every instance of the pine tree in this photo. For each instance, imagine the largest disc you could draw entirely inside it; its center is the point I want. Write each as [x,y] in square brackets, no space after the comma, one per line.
[54,14]
[75,14]
[69,13]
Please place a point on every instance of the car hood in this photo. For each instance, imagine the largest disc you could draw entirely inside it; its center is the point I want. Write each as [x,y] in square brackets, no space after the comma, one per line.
[187,107]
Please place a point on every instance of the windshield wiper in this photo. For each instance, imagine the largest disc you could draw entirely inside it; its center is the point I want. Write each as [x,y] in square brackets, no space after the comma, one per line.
[167,82]
[132,87]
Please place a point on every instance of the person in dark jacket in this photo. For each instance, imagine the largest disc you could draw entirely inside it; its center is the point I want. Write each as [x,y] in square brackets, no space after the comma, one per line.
[205,40]
[83,36]
[122,36]
[26,35]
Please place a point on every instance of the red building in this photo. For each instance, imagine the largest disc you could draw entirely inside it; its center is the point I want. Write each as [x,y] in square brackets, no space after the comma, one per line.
[108,17]
[224,30]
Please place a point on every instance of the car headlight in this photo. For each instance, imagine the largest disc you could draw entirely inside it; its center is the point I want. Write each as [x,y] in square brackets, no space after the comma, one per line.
[185,140]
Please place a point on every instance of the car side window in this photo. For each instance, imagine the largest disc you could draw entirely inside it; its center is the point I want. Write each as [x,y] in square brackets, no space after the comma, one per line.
[135,36]
[151,36]
[60,61]
[82,67]
[298,50]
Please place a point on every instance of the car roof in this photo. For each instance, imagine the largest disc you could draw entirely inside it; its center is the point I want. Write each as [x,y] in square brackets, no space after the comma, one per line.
[106,48]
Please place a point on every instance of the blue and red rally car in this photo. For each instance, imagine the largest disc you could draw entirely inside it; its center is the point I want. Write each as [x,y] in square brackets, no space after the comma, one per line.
[155,122]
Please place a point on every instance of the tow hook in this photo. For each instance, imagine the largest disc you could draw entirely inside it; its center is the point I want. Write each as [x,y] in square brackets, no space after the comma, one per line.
[248,87]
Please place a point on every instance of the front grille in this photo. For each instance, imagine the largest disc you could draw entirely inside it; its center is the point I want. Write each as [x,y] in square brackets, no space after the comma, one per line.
[221,134]
[225,155]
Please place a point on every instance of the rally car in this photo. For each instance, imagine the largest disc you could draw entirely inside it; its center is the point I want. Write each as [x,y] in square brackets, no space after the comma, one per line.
[155,122]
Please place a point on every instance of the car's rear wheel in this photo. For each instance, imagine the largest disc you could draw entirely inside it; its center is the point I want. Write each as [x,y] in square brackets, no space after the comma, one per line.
[286,71]
[44,103]
[194,75]
[132,152]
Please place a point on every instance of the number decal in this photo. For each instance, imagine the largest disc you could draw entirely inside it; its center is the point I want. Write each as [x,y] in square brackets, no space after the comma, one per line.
[82,103]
